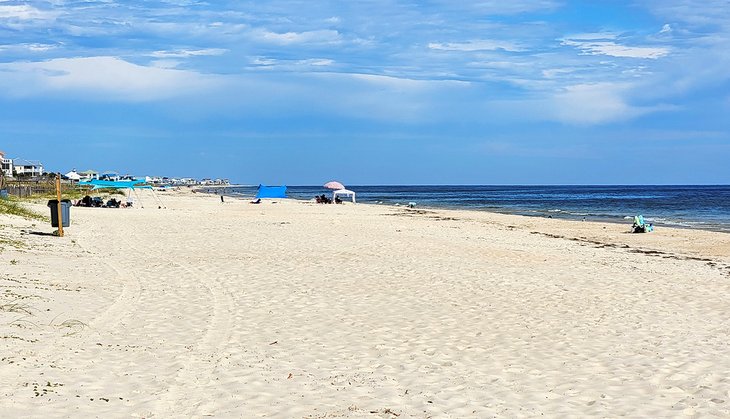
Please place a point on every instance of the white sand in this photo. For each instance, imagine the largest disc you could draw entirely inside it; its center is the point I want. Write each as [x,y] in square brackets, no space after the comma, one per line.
[302,310]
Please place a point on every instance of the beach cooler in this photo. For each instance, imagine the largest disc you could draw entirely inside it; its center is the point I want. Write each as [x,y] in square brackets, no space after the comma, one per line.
[65,212]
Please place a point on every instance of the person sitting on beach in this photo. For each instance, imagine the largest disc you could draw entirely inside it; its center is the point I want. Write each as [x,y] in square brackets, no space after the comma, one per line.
[318,199]
[338,200]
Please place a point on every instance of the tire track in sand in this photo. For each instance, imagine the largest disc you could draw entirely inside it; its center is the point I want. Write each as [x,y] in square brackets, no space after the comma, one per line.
[199,368]
[164,335]
[194,367]
[127,300]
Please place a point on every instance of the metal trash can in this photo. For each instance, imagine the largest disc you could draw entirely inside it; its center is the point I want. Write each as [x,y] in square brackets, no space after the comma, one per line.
[65,212]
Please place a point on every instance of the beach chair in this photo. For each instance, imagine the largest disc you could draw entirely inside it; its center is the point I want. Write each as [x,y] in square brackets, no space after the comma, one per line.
[641,226]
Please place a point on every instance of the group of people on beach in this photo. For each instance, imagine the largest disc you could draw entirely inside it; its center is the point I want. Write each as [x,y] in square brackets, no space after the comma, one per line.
[322,199]
[98,202]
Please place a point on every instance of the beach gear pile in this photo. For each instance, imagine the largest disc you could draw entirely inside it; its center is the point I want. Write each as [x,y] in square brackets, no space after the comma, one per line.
[641,226]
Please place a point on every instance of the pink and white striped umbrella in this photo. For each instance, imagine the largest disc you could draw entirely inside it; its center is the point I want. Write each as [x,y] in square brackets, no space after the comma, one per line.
[334,185]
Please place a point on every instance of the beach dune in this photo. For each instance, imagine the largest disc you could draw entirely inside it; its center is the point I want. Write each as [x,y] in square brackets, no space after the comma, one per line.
[292,309]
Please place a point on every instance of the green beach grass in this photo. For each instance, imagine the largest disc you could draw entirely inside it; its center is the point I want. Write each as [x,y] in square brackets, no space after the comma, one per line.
[14,207]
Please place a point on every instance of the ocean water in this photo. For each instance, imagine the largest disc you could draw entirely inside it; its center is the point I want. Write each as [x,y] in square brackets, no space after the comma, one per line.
[701,207]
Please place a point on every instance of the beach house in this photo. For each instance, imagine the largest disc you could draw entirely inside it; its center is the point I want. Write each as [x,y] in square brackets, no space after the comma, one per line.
[27,168]
[89,175]
[6,165]
[110,176]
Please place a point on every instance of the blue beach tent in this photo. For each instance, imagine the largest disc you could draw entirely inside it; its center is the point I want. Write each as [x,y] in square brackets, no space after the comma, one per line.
[119,184]
[130,185]
[271,192]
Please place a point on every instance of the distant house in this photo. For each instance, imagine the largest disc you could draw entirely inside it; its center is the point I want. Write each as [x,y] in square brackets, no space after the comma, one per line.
[110,176]
[6,165]
[89,175]
[27,168]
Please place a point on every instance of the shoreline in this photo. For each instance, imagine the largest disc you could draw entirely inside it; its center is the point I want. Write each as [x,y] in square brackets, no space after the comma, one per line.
[592,232]
[559,215]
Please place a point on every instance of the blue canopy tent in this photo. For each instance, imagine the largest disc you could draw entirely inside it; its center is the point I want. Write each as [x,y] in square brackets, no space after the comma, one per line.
[118,184]
[271,192]
[131,185]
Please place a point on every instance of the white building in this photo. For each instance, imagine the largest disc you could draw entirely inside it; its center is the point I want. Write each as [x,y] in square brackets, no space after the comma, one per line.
[89,175]
[6,165]
[29,168]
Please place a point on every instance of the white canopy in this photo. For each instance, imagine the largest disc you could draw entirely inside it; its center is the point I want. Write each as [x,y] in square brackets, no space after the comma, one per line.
[345,192]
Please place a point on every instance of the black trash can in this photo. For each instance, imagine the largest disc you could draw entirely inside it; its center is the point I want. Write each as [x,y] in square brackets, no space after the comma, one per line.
[65,212]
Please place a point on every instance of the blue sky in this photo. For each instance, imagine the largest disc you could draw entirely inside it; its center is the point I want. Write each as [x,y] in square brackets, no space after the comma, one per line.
[371,92]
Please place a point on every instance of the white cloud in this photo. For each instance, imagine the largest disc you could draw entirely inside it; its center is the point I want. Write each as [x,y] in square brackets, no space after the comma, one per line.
[476,45]
[181,2]
[402,83]
[693,12]
[263,61]
[551,73]
[593,36]
[325,36]
[28,47]
[499,7]
[667,28]
[597,46]
[588,104]
[24,12]
[165,63]
[40,47]
[289,65]
[184,53]
[316,62]
[100,78]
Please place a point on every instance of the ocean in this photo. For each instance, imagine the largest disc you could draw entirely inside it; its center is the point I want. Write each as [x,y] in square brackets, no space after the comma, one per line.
[700,207]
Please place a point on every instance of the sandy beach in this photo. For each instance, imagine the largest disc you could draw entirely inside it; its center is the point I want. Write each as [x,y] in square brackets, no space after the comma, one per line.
[293,309]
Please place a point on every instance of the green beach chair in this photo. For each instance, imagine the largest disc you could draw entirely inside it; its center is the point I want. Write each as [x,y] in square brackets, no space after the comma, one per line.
[641,226]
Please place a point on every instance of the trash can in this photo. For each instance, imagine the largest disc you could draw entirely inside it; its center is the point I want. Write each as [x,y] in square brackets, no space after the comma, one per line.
[65,212]
[3,194]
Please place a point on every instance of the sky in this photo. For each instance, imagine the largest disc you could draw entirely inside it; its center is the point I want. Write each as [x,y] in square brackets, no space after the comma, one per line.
[371,92]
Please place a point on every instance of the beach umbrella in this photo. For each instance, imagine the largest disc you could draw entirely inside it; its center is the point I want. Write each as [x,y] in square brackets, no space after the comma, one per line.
[334,185]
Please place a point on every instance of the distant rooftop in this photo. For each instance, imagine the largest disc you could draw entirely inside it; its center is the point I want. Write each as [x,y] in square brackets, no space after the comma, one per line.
[23,162]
